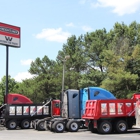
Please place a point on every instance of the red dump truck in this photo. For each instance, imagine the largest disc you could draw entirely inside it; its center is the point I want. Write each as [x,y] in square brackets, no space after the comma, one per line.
[106,116]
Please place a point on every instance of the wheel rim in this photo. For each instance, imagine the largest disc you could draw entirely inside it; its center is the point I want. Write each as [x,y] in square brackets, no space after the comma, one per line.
[60,126]
[122,126]
[26,124]
[41,124]
[12,125]
[106,127]
[74,126]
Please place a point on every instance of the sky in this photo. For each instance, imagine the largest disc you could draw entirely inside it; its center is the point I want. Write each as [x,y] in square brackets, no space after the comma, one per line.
[46,25]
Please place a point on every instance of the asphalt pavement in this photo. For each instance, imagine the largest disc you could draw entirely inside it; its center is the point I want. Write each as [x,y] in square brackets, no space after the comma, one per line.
[31,134]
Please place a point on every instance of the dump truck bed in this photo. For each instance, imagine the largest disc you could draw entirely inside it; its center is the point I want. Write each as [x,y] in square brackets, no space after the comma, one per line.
[31,111]
[96,109]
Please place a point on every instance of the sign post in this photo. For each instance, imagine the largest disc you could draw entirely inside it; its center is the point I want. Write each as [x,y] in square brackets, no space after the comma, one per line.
[9,36]
[7,61]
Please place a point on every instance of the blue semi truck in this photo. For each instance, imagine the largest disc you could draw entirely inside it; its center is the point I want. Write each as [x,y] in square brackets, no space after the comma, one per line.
[72,108]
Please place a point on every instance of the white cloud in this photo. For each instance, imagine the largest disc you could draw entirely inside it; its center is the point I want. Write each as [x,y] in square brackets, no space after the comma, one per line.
[120,7]
[22,76]
[86,28]
[53,35]
[70,24]
[26,62]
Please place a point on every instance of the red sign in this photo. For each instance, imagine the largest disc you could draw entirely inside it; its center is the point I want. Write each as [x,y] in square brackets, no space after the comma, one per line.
[9,35]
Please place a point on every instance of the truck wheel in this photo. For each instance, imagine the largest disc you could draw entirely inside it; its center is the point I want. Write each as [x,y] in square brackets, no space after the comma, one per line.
[12,124]
[58,126]
[25,124]
[40,125]
[72,126]
[105,127]
[121,126]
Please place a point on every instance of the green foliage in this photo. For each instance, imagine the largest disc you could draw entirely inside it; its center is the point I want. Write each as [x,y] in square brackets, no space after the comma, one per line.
[92,78]
[46,82]
[105,59]
[119,82]
[77,64]
[12,86]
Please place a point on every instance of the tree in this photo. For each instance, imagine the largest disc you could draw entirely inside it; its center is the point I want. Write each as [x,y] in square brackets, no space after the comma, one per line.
[94,45]
[100,58]
[12,86]
[47,81]
[76,65]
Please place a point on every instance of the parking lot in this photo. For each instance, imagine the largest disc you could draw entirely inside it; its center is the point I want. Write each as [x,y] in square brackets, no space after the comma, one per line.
[82,134]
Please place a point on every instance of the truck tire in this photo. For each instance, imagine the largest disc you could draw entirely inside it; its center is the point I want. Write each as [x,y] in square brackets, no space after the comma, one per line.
[58,126]
[121,126]
[105,127]
[72,126]
[11,125]
[25,124]
[40,126]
